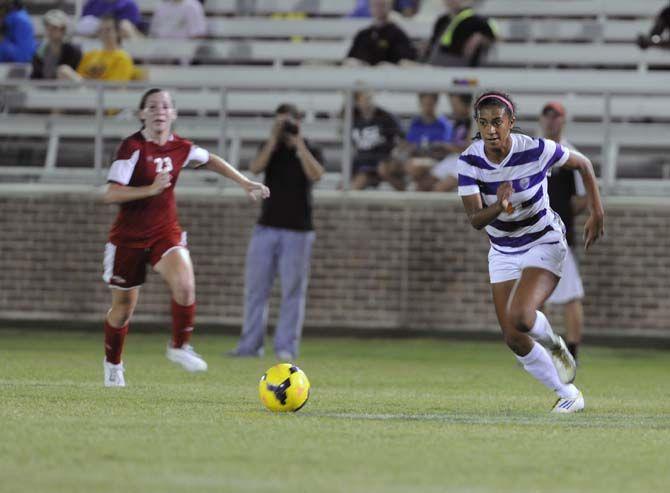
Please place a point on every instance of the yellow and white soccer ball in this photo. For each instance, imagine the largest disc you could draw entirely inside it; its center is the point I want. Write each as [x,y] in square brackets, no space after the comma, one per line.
[284,387]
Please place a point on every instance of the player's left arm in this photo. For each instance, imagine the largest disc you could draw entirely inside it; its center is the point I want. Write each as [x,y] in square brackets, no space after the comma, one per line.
[254,190]
[595,224]
[579,201]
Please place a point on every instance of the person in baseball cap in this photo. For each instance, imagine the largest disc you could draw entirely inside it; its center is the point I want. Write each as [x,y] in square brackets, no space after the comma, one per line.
[567,197]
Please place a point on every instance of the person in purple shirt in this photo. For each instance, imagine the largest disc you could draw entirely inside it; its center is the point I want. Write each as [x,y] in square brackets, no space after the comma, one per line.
[17,43]
[406,7]
[126,11]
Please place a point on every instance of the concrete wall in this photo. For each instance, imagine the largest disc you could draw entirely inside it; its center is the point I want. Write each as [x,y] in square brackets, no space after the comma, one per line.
[381,260]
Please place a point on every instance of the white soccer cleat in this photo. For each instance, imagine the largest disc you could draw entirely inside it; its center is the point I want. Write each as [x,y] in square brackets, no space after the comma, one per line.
[186,357]
[113,374]
[563,361]
[565,405]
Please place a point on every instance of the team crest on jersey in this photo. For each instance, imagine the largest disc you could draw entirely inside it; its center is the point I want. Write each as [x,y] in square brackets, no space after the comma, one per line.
[524,182]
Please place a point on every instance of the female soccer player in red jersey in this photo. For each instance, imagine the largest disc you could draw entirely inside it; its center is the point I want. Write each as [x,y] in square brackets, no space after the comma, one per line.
[142,180]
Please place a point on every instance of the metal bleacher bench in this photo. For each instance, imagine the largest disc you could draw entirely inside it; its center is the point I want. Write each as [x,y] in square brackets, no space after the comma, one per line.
[256,27]
[330,52]
[254,92]
[497,8]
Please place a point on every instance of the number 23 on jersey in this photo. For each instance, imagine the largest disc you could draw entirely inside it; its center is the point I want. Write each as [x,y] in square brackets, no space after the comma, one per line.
[163,164]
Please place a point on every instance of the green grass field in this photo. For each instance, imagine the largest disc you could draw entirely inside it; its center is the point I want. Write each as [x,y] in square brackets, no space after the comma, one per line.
[384,415]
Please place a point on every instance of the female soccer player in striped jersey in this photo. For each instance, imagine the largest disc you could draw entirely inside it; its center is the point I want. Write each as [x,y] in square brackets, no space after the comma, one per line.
[503,184]
[146,231]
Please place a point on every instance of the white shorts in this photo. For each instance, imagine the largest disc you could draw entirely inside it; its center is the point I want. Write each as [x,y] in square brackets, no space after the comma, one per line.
[507,267]
[570,286]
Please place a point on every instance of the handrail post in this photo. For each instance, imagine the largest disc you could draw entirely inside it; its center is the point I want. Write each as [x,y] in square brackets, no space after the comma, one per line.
[608,157]
[223,130]
[347,128]
[99,129]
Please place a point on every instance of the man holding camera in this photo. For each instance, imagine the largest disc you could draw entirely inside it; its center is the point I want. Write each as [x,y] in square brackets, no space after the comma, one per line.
[282,240]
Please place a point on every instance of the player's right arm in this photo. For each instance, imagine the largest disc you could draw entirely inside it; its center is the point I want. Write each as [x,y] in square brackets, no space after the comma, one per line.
[481,216]
[117,194]
[468,190]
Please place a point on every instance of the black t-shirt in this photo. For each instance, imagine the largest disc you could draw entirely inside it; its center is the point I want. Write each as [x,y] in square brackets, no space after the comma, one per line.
[375,138]
[70,55]
[290,203]
[386,43]
[561,190]
[465,29]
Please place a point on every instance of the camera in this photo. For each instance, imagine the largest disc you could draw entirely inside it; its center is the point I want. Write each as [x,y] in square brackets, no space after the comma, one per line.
[289,127]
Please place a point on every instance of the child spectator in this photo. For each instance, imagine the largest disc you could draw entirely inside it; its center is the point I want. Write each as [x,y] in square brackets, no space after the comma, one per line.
[111,63]
[443,176]
[54,52]
[427,135]
[375,133]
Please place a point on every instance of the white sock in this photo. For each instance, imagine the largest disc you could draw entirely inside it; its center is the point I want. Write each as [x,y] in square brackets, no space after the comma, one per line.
[538,363]
[542,332]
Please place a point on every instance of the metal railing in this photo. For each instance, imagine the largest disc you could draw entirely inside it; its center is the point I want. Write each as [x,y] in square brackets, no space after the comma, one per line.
[15,103]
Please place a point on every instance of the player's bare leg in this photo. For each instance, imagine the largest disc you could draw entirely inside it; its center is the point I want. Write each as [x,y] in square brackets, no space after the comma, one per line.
[176,269]
[516,303]
[116,328]
[530,293]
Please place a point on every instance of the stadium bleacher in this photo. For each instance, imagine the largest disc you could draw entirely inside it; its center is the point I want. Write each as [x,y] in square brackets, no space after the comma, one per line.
[562,48]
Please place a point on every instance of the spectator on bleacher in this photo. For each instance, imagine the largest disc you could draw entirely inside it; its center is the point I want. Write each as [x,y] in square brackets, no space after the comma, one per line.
[443,176]
[657,35]
[381,42]
[125,11]
[407,8]
[375,133]
[54,51]
[111,63]
[427,135]
[17,41]
[281,242]
[460,38]
[179,19]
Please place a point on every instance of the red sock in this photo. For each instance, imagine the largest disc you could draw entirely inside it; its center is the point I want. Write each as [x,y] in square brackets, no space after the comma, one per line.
[114,338]
[182,323]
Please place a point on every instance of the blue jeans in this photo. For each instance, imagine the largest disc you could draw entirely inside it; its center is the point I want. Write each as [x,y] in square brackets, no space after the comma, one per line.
[272,251]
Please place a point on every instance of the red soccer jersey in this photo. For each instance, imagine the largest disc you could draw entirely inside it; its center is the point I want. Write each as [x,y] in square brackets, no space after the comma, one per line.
[141,222]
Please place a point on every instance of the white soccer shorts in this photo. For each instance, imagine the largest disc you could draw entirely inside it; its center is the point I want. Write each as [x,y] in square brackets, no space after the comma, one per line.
[506,267]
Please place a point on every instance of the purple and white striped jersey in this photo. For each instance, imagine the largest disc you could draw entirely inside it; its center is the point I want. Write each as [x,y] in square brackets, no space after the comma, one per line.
[532,222]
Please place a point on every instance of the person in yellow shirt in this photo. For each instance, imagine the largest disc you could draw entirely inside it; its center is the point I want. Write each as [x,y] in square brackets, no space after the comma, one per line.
[111,63]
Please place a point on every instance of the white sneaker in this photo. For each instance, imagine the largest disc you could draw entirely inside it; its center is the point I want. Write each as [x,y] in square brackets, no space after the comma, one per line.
[565,405]
[563,361]
[186,357]
[113,374]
